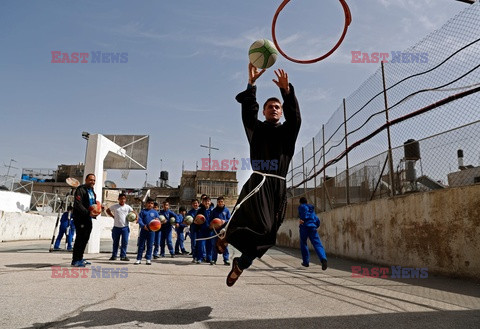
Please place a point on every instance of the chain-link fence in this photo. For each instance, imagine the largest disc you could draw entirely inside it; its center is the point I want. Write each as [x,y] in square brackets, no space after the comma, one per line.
[414,125]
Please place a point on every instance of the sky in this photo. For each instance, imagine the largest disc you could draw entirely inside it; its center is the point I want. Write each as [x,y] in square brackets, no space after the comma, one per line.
[186,61]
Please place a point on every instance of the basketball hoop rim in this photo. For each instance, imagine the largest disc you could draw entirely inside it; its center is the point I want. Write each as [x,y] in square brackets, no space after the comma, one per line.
[348,20]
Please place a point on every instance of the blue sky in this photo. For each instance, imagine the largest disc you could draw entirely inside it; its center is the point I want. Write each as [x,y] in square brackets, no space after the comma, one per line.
[186,62]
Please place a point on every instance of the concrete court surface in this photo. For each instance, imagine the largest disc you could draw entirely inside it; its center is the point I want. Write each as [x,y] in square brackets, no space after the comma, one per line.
[174,293]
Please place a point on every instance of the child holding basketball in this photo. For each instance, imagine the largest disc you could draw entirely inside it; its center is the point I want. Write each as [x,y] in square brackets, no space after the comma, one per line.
[146,235]
[203,231]
[179,228]
[121,227]
[166,230]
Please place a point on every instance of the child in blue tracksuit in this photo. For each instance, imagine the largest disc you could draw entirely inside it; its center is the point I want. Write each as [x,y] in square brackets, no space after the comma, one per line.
[309,223]
[166,230]
[156,239]
[179,228]
[203,231]
[146,235]
[222,212]
[193,233]
[65,222]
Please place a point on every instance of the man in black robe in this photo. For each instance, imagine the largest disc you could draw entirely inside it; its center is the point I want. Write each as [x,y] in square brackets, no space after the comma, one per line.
[253,229]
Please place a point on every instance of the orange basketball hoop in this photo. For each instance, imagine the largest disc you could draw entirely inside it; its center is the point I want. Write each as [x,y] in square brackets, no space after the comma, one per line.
[348,20]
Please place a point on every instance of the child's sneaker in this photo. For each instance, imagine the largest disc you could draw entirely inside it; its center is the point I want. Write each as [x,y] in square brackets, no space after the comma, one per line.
[149,262]
[138,262]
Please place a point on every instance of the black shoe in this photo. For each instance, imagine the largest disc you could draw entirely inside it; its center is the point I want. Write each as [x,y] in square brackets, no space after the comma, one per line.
[324,264]
[226,262]
[212,262]
[125,259]
[190,254]
[305,264]
[113,258]
[178,253]
[155,256]
[234,273]
[172,255]
[185,252]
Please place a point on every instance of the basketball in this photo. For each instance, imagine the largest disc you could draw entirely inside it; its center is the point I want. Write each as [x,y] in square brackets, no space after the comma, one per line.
[188,220]
[199,219]
[95,209]
[173,220]
[163,219]
[132,216]
[262,54]
[216,223]
[154,225]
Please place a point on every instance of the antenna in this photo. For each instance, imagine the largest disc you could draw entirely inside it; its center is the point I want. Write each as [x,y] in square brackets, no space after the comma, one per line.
[9,167]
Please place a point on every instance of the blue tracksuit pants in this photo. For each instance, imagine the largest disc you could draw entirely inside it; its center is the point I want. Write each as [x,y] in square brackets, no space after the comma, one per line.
[312,234]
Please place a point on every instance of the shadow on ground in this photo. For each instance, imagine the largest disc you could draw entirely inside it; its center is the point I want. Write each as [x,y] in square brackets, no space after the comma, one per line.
[437,320]
[116,316]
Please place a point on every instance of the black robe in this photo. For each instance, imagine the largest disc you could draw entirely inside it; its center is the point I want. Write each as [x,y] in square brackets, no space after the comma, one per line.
[253,229]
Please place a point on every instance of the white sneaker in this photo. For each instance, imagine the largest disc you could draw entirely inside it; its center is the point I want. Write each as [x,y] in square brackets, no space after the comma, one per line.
[149,262]
[137,262]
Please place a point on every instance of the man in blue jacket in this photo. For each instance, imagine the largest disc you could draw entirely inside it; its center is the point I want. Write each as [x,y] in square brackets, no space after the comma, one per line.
[309,224]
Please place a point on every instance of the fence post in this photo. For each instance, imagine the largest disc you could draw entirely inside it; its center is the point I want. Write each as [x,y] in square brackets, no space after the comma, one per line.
[347,180]
[324,169]
[315,178]
[390,159]
[293,191]
[303,172]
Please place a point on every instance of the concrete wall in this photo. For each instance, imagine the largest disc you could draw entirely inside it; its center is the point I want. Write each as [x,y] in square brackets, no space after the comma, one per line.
[439,230]
[29,226]
[14,201]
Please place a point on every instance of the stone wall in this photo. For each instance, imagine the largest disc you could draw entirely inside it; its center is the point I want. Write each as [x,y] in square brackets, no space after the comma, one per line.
[439,230]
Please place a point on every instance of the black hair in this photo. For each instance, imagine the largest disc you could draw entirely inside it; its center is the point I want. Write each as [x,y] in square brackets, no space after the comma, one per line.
[271,99]
[182,208]
[90,174]
[69,208]
[206,197]
[303,200]
[150,200]
[193,200]
[121,195]
[220,198]
[155,204]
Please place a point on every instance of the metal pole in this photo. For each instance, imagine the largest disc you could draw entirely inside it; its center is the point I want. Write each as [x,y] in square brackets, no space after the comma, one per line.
[390,159]
[303,172]
[293,191]
[315,178]
[324,169]
[347,180]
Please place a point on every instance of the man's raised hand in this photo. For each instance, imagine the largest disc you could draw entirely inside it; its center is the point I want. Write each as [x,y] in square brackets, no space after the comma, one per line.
[282,81]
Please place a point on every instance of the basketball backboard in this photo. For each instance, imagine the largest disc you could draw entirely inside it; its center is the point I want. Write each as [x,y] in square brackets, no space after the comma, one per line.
[136,152]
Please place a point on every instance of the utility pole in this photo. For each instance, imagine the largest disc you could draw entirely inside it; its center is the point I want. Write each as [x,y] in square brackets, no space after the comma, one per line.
[9,167]
[210,148]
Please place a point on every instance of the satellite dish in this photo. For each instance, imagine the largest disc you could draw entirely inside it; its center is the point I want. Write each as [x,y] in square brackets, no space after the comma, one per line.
[110,184]
[72,182]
